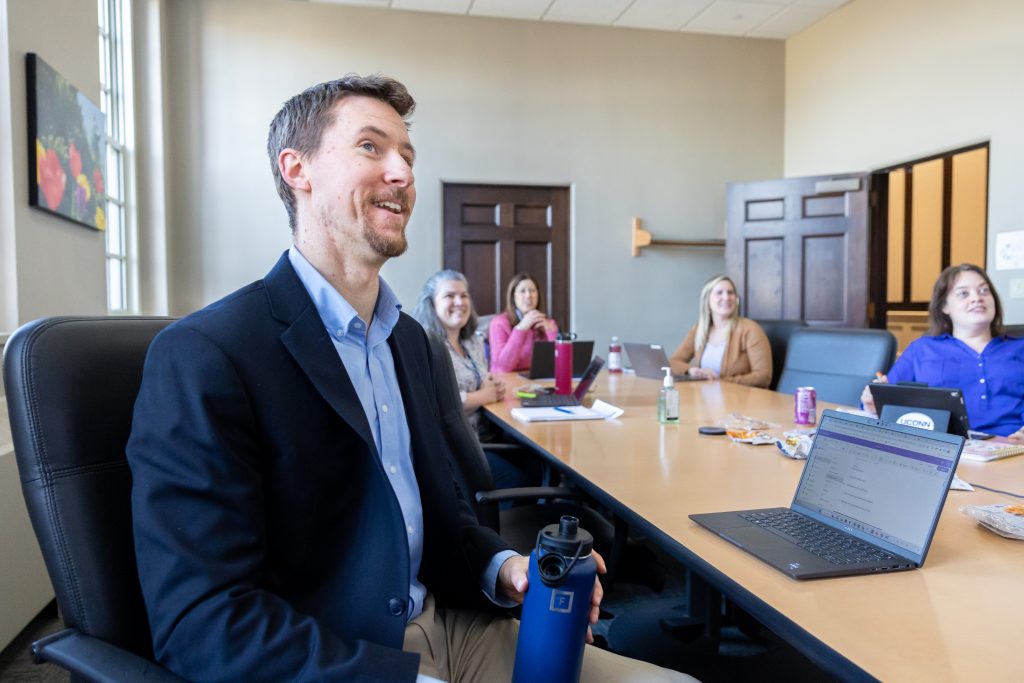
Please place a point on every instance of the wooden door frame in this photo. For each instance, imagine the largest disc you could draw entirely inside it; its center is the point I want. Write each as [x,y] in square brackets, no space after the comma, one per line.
[558,301]
[878,304]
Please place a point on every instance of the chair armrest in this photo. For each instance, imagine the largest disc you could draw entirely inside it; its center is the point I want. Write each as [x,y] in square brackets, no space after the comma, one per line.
[499,495]
[96,660]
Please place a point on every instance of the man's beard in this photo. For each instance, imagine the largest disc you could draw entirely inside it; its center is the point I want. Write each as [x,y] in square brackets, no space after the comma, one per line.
[387,245]
[385,242]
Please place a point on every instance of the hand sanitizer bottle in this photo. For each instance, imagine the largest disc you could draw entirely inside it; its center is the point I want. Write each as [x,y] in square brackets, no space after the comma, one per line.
[668,400]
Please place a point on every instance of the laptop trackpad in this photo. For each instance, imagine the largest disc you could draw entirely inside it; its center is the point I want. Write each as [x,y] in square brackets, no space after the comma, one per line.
[752,537]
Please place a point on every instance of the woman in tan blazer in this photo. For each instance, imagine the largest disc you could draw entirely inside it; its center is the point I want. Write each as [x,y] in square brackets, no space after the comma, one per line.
[722,345]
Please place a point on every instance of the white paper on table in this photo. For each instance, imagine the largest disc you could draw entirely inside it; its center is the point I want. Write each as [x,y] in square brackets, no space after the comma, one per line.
[599,411]
[959,484]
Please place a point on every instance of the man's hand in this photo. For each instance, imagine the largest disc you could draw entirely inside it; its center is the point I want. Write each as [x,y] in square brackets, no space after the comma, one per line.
[513,583]
[598,595]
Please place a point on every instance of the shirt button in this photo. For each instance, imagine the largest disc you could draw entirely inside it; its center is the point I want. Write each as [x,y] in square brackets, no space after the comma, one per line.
[982,380]
[396,607]
[984,396]
[339,333]
[410,530]
[394,470]
[384,407]
[358,325]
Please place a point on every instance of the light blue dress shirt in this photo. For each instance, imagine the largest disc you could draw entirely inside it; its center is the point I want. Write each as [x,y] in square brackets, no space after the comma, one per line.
[367,359]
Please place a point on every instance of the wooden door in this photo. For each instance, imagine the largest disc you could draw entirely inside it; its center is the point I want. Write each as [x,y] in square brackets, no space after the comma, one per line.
[492,232]
[798,248]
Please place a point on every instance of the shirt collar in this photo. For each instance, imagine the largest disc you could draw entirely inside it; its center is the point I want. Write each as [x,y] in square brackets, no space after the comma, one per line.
[338,314]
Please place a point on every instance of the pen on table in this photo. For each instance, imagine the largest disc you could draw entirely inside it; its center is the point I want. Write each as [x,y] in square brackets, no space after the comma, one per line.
[563,410]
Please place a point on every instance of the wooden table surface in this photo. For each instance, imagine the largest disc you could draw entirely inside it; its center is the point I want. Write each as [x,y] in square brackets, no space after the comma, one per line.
[959,618]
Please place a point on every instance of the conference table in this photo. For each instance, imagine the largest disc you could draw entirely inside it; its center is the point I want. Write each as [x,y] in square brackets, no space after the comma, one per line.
[960,617]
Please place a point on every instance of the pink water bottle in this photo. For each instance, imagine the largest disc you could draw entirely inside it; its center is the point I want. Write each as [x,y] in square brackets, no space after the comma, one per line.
[563,363]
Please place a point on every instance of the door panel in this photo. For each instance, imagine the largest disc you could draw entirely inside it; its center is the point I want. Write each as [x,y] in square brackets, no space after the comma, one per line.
[824,279]
[799,253]
[764,264]
[492,232]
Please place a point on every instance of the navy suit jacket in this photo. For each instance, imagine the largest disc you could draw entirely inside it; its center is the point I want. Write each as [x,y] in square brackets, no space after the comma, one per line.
[270,543]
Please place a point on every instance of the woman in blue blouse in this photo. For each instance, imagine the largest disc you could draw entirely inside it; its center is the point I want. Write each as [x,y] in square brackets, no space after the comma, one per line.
[966,348]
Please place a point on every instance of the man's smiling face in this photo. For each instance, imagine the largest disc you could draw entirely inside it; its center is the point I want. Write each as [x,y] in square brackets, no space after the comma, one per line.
[362,185]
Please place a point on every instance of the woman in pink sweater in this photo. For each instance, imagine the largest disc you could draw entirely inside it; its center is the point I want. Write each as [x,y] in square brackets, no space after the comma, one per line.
[513,332]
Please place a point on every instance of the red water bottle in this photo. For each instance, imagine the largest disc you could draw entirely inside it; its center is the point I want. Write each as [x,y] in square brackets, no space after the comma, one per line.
[563,363]
[615,356]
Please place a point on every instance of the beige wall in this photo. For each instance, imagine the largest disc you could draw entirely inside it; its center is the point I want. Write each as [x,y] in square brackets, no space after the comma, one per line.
[49,265]
[59,265]
[639,123]
[885,81]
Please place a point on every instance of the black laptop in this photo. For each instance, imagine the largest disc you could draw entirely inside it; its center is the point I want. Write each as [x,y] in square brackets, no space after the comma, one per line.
[868,501]
[573,399]
[542,362]
[647,360]
[916,405]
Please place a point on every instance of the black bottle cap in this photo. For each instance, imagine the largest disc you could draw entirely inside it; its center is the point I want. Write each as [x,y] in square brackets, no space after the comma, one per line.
[566,538]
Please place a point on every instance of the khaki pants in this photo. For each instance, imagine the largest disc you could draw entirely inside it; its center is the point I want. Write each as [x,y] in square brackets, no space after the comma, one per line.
[465,646]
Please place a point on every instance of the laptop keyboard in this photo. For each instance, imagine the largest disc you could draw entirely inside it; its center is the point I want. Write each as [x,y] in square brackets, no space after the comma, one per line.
[550,401]
[827,543]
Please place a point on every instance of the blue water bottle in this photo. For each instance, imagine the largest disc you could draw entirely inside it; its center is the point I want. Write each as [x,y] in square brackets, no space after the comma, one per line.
[553,629]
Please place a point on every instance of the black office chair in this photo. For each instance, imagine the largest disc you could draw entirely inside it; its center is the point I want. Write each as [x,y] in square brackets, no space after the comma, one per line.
[1014,330]
[837,362]
[778,333]
[71,387]
[519,525]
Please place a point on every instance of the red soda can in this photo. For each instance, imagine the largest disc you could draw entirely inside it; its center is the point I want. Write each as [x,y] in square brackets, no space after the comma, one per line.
[805,406]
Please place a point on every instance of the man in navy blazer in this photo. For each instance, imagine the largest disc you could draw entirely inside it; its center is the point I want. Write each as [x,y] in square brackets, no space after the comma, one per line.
[294,504]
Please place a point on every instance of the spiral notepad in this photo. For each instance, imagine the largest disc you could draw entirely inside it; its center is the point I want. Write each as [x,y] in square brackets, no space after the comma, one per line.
[991,449]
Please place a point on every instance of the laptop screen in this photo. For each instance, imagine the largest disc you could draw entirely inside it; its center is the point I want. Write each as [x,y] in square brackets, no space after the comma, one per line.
[883,482]
[902,400]
[596,363]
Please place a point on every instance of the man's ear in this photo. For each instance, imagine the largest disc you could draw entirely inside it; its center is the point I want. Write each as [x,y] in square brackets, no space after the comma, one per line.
[289,163]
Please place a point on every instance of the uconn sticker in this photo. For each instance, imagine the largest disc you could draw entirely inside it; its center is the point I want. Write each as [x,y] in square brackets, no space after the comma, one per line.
[919,420]
[561,601]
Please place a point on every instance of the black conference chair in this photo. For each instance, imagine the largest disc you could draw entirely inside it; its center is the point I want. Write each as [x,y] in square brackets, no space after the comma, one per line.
[778,333]
[519,525]
[71,387]
[837,362]
[1014,330]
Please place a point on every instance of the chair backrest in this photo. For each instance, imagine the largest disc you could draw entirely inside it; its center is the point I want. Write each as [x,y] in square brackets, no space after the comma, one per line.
[471,469]
[483,328]
[837,362]
[1014,330]
[71,388]
[778,333]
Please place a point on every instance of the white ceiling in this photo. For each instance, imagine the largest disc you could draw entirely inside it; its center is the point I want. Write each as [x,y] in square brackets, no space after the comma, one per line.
[749,18]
